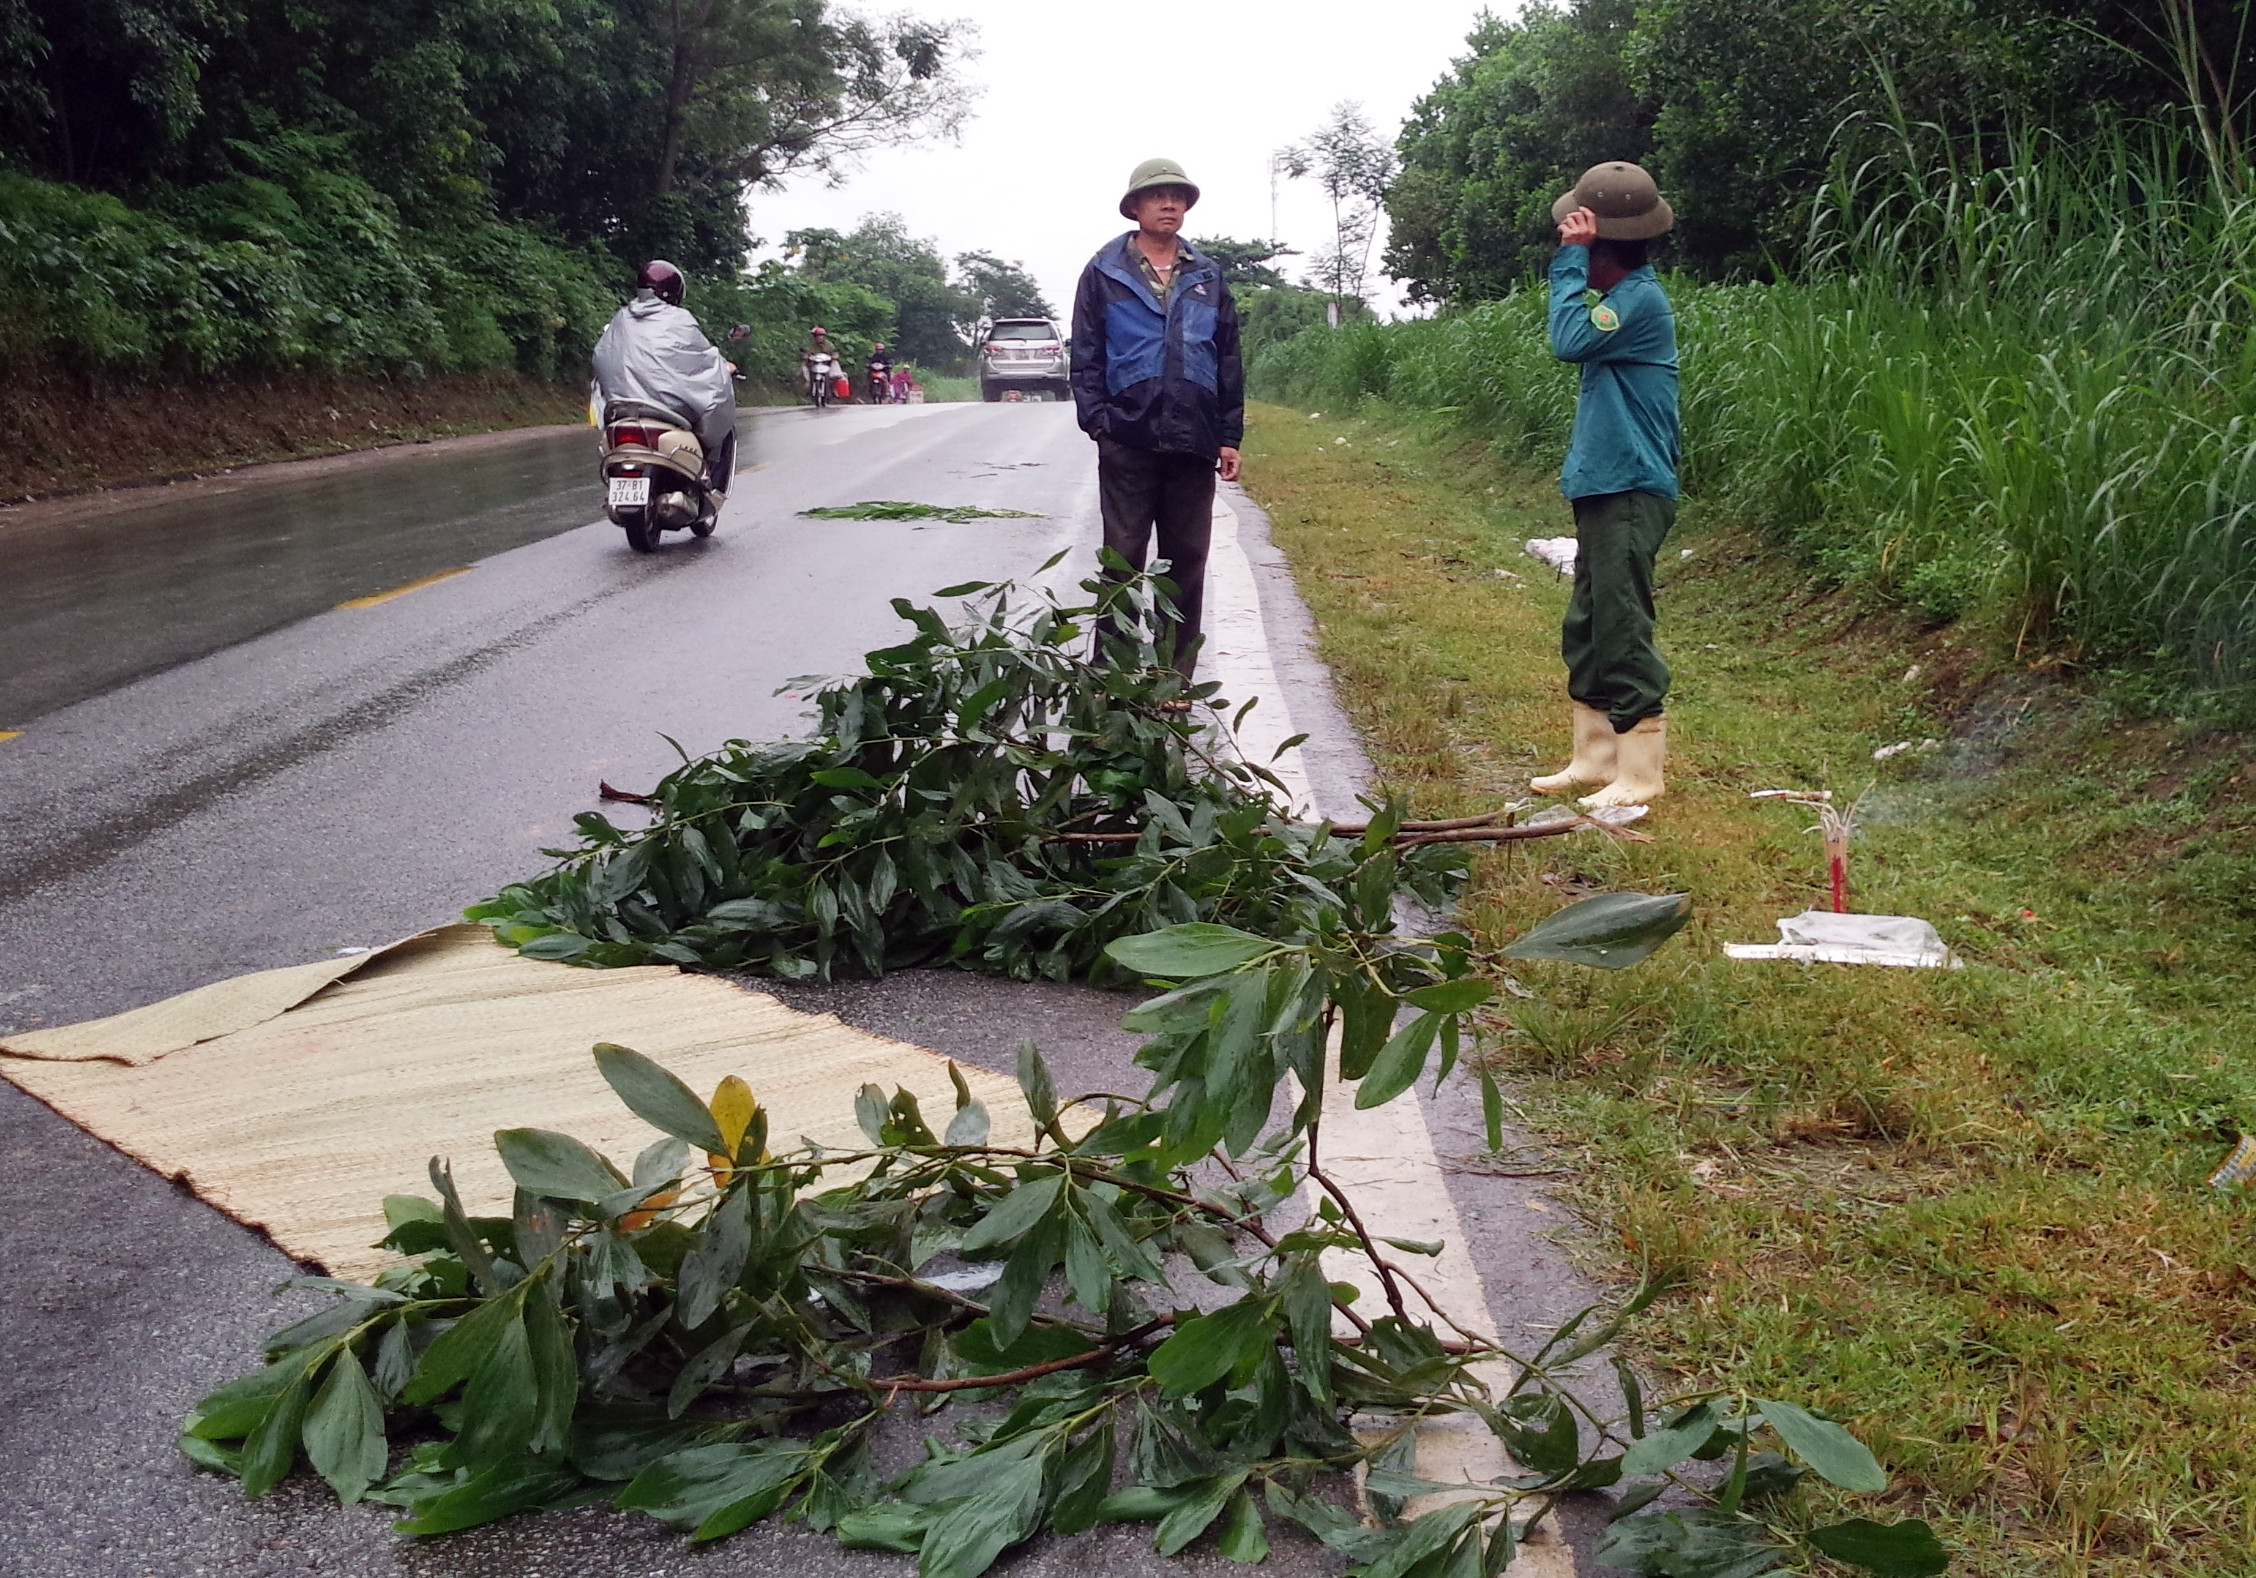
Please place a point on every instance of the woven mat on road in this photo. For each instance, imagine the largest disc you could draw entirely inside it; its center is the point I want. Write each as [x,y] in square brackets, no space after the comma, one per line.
[295,1100]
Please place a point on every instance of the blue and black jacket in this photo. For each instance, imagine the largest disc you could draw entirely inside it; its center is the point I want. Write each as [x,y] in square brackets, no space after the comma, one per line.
[1151,378]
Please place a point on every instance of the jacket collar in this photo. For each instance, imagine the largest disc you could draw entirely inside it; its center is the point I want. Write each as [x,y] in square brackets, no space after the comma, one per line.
[1641,275]
[1192,267]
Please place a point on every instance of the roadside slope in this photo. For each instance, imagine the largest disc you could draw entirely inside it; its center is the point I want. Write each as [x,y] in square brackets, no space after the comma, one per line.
[68,436]
[1965,1210]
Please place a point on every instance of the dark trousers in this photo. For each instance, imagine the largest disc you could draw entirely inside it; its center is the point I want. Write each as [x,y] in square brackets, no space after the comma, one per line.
[723,464]
[1607,639]
[1142,491]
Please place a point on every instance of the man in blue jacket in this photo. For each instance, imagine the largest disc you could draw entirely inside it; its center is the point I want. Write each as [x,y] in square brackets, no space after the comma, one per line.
[1156,382]
[1610,315]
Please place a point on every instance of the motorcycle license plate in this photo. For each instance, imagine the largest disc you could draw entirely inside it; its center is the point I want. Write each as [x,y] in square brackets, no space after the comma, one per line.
[629,490]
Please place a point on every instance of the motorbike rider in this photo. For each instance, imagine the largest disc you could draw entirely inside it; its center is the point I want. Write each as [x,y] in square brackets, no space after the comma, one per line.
[653,353]
[818,348]
[879,368]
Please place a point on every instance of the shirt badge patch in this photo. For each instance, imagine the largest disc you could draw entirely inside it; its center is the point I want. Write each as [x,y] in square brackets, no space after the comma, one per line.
[1604,319]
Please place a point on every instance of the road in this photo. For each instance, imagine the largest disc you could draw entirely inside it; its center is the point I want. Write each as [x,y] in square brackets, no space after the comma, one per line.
[239,775]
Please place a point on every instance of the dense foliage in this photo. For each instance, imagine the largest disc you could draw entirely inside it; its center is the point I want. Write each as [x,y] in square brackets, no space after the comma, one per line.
[295,266]
[989,794]
[1741,109]
[191,186]
[627,121]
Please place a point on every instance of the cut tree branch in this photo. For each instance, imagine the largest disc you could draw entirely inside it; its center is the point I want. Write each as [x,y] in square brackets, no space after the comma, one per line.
[1032,1372]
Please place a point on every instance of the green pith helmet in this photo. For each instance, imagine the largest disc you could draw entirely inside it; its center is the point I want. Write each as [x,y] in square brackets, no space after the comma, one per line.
[1156,172]
[1628,205]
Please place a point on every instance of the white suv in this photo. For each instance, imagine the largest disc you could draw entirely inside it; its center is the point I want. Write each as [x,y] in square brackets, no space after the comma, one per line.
[1023,353]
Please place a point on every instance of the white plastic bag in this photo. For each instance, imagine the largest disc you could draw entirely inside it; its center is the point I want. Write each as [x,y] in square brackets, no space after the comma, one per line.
[1557,552]
[1822,937]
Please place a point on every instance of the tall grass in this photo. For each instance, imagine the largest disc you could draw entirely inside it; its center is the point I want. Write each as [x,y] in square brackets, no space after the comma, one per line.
[2025,393]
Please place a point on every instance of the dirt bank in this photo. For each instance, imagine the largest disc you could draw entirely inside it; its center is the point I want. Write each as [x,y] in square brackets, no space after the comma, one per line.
[66,433]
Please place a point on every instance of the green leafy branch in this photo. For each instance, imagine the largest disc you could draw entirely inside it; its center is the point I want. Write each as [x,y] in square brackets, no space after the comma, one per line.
[901,510]
[987,794]
[718,1334]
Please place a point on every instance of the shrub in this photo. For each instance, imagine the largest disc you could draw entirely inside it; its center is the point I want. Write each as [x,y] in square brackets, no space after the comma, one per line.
[295,265]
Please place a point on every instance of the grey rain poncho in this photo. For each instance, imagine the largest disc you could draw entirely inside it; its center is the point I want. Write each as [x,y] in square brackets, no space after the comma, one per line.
[655,353]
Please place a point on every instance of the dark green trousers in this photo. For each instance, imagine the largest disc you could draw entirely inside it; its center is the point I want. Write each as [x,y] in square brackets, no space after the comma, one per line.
[1607,640]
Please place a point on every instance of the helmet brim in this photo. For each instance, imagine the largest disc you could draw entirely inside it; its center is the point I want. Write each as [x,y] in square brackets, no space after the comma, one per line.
[1128,203]
[1658,220]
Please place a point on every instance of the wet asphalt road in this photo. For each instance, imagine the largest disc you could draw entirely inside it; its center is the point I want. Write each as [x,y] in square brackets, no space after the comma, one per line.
[107,589]
[284,778]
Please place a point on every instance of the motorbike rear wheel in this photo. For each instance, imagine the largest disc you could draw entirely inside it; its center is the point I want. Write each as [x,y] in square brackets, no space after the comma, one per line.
[642,531]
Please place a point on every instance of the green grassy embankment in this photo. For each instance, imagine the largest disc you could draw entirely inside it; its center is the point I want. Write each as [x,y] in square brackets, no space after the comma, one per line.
[1965,1210]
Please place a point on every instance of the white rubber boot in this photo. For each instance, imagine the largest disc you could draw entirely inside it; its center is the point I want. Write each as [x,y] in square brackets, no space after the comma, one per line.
[1593,764]
[1638,757]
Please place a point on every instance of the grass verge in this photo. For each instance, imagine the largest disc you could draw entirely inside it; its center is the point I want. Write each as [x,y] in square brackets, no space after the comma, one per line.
[1967,1209]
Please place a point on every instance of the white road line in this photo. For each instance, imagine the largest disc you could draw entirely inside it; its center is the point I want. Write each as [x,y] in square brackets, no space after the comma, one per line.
[1237,652]
[1384,1158]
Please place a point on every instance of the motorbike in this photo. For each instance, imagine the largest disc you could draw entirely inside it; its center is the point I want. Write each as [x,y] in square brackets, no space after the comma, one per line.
[822,378]
[654,475]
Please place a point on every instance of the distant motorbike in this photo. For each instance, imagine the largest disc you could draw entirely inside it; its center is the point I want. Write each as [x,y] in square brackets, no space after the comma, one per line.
[654,475]
[822,378]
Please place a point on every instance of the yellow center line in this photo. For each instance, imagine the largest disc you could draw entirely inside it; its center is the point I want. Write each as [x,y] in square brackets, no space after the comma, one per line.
[10,734]
[401,591]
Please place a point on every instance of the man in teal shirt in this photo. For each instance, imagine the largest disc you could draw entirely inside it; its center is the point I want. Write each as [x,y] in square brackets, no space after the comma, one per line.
[1610,316]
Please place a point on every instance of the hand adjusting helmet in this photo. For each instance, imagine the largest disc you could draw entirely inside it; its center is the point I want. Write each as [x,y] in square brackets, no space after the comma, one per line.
[1628,205]
[663,279]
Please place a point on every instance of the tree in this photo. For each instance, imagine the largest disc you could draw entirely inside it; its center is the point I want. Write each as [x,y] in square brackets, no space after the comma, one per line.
[1742,108]
[1756,100]
[1535,103]
[1245,264]
[755,89]
[1354,166]
[1000,289]
[881,255]
[100,91]
[635,124]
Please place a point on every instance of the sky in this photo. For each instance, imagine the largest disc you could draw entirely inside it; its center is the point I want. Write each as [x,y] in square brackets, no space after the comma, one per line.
[1077,94]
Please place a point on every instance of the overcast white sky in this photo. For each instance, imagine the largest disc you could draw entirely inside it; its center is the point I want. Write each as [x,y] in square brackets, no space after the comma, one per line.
[1077,94]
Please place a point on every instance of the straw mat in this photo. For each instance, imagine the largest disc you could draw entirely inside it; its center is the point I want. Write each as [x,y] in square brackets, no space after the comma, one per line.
[295,1100]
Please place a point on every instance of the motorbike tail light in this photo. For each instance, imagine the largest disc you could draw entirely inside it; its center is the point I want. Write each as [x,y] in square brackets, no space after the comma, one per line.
[642,433]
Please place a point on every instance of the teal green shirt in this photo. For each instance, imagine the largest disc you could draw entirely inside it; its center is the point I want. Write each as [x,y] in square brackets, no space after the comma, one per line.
[1625,432]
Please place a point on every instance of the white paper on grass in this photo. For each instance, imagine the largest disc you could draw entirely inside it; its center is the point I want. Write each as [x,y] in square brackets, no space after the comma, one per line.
[1821,937]
[1557,552]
